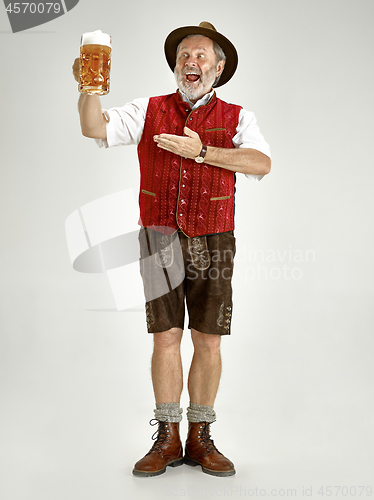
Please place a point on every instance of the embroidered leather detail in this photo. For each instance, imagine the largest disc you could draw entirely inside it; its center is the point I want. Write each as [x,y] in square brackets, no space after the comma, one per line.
[148,192]
[220,315]
[228,318]
[224,319]
[220,198]
[165,255]
[150,315]
[198,248]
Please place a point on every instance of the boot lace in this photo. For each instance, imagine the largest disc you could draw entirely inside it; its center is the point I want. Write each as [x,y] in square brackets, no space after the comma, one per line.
[204,436]
[160,436]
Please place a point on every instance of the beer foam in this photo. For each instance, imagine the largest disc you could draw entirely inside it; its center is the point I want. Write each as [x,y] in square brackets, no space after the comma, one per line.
[96,37]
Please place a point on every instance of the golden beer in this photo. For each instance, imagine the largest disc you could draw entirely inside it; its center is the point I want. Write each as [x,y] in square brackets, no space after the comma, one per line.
[94,71]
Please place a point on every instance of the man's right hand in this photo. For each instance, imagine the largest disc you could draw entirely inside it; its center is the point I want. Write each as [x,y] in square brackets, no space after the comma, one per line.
[76,69]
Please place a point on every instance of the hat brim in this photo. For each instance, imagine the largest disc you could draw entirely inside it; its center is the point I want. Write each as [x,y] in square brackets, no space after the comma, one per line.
[176,36]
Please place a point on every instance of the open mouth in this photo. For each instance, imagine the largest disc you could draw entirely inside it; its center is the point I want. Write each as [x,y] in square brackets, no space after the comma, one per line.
[192,77]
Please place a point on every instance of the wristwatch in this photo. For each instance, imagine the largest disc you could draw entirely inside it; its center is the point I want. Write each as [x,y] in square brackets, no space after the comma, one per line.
[200,157]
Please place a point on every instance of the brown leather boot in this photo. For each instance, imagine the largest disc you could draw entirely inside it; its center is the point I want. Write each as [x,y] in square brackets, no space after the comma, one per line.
[200,450]
[166,451]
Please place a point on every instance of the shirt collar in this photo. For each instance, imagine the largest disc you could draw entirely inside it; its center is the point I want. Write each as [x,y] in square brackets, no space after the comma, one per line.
[201,102]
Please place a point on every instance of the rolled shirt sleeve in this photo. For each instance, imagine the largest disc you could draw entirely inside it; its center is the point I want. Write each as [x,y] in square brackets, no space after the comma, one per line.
[248,135]
[125,124]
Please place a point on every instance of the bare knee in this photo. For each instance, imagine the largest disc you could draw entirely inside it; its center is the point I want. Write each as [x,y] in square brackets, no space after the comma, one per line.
[205,342]
[168,340]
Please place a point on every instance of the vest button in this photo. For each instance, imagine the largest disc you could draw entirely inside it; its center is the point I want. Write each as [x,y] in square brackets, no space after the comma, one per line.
[180,215]
[184,171]
[183,185]
[191,119]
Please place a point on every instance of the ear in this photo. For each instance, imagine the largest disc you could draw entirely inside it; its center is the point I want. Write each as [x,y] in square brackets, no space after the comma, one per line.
[220,67]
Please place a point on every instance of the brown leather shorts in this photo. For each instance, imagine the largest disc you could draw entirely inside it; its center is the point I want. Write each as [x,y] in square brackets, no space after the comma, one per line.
[199,269]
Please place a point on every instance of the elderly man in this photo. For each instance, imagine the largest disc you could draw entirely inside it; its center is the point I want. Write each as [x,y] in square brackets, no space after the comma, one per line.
[190,145]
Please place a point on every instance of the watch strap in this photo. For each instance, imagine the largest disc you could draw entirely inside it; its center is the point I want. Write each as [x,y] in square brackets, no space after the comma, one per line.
[202,153]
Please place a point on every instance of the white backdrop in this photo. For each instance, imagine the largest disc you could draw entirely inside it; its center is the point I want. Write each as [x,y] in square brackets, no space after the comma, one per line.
[295,406]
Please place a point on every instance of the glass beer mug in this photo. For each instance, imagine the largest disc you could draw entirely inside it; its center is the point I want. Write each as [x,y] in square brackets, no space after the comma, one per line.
[94,71]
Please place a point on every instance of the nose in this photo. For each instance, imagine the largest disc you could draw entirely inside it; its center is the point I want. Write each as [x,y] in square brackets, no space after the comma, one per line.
[191,61]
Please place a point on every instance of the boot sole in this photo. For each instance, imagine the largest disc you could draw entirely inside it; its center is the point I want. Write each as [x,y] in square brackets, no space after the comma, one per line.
[194,463]
[140,473]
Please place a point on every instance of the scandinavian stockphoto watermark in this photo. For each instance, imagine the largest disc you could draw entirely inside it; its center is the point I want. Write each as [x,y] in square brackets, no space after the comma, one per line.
[272,264]
[26,15]
[103,237]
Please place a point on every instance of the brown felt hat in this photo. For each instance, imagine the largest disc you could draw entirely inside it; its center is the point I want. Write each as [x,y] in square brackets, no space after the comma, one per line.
[206,29]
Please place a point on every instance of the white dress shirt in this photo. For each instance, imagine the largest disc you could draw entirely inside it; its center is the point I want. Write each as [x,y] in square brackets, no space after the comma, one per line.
[125,126]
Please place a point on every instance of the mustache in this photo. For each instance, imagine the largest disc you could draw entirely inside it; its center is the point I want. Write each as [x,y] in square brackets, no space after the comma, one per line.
[191,70]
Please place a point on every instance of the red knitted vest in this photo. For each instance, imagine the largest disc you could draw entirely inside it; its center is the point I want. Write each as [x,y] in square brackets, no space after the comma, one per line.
[178,192]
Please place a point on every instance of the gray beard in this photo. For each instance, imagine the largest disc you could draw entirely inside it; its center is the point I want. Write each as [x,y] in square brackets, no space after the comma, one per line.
[193,93]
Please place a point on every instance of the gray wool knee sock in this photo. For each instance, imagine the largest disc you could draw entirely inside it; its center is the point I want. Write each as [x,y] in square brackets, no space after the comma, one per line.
[168,412]
[200,413]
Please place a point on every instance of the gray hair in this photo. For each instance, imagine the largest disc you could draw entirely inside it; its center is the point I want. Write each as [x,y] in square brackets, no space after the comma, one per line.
[220,55]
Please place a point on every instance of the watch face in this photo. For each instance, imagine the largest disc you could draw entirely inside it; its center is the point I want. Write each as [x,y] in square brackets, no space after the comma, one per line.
[199,159]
